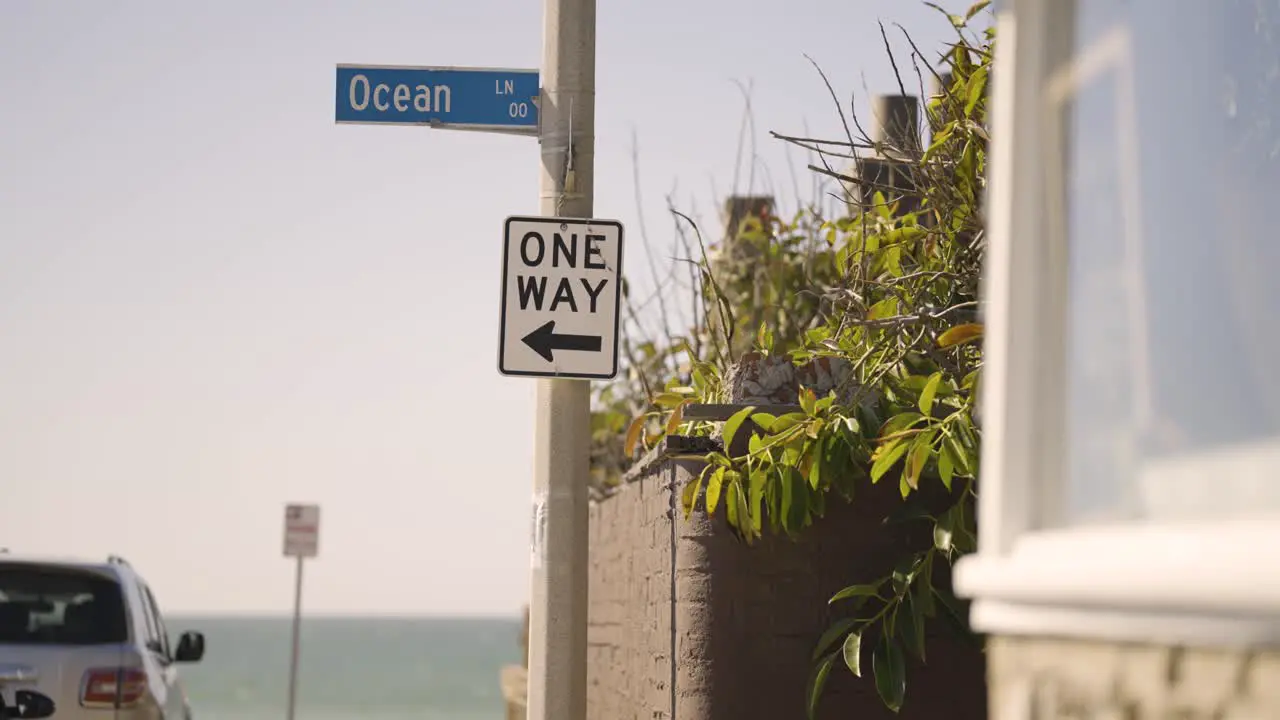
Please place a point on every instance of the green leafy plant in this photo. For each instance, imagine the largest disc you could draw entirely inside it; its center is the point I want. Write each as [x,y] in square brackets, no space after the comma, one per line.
[890,289]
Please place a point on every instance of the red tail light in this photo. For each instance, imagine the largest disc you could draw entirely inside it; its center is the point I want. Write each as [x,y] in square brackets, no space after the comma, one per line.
[113,687]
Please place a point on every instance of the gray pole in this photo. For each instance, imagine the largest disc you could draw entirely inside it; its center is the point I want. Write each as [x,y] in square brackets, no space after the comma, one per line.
[297,625]
[558,592]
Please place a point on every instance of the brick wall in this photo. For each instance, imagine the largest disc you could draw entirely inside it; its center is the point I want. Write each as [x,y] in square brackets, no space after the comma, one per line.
[629,633]
[746,618]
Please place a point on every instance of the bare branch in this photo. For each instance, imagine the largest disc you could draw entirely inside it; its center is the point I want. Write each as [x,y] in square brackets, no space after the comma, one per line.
[892,61]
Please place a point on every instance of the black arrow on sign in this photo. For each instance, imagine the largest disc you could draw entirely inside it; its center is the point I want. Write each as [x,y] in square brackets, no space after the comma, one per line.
[544,341]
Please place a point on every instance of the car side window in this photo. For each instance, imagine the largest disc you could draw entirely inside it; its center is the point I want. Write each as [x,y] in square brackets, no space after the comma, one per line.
[152,630]
[162,634]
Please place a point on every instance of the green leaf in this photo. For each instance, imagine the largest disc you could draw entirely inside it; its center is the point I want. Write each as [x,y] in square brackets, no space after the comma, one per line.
[976,89]
[763,420]
[817,455]
[842,258]
[944,531]
[881,205]
[850,429]
[920,450]
[772,498]
[939,140]
[900,422]
[713,490]
[904,235]
[786,422]
[872,242]
[732,425]
[788,495]
[677,418]
[976,8]
[825,402]
[690,494]
[808,401]
[699,378]
[839,469]
[960,334]
[865,590]
[915,383]
[891,673]
[832,635]
[796,496]
[893,260]
[927,395]
[945,467]
[667,400]
[764,338]
[905,571]
[853,653]
[959,456]
[817,682]
[815,336]
[886,308]
[719,459]
[731,506]
[922,589]
[633,435]
[888,456]
[968,441]
[793,452]
[755,501]
[913,629]
[739,498]
[817,502]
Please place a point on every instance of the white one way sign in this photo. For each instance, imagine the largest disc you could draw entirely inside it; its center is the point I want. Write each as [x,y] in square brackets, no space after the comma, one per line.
[561,295]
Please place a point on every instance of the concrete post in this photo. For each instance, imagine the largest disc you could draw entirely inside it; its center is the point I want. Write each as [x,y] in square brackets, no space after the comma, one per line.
[558,592]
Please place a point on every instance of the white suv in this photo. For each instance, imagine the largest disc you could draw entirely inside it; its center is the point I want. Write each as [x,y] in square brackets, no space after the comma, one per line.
[86,641]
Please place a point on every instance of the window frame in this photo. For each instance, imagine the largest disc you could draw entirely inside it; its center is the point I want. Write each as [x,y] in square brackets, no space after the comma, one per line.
[1186,582]
[159,621]
[154,621]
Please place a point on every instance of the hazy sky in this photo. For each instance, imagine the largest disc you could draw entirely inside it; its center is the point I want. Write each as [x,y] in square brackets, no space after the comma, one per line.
[214,300]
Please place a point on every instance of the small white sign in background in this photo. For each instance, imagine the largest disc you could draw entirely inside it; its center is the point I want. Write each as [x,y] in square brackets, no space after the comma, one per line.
[301,530]
[561,297]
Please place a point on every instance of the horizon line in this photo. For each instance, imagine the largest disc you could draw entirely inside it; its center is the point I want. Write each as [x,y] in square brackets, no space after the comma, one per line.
[344,615]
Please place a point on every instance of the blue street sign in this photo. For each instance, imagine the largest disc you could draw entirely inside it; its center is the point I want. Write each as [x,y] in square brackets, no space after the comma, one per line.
[459,98]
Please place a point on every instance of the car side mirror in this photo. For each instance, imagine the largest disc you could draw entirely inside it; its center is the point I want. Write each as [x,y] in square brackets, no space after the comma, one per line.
[190,647]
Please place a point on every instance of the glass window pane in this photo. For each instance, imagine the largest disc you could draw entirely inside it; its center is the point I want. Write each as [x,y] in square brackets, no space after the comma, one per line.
[1163,169]
[153,610]
[45,605]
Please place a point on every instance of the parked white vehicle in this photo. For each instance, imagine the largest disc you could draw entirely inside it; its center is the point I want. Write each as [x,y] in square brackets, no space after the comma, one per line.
[86,641]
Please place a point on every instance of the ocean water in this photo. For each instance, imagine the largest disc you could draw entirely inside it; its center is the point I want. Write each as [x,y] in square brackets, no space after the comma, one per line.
[350,668]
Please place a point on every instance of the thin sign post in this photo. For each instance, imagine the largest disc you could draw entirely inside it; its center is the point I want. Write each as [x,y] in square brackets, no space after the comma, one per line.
[562,406]
[301,541]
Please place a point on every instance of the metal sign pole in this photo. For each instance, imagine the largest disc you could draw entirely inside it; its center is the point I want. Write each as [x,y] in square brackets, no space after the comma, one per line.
[301,541]
[297,626]
[562,437]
